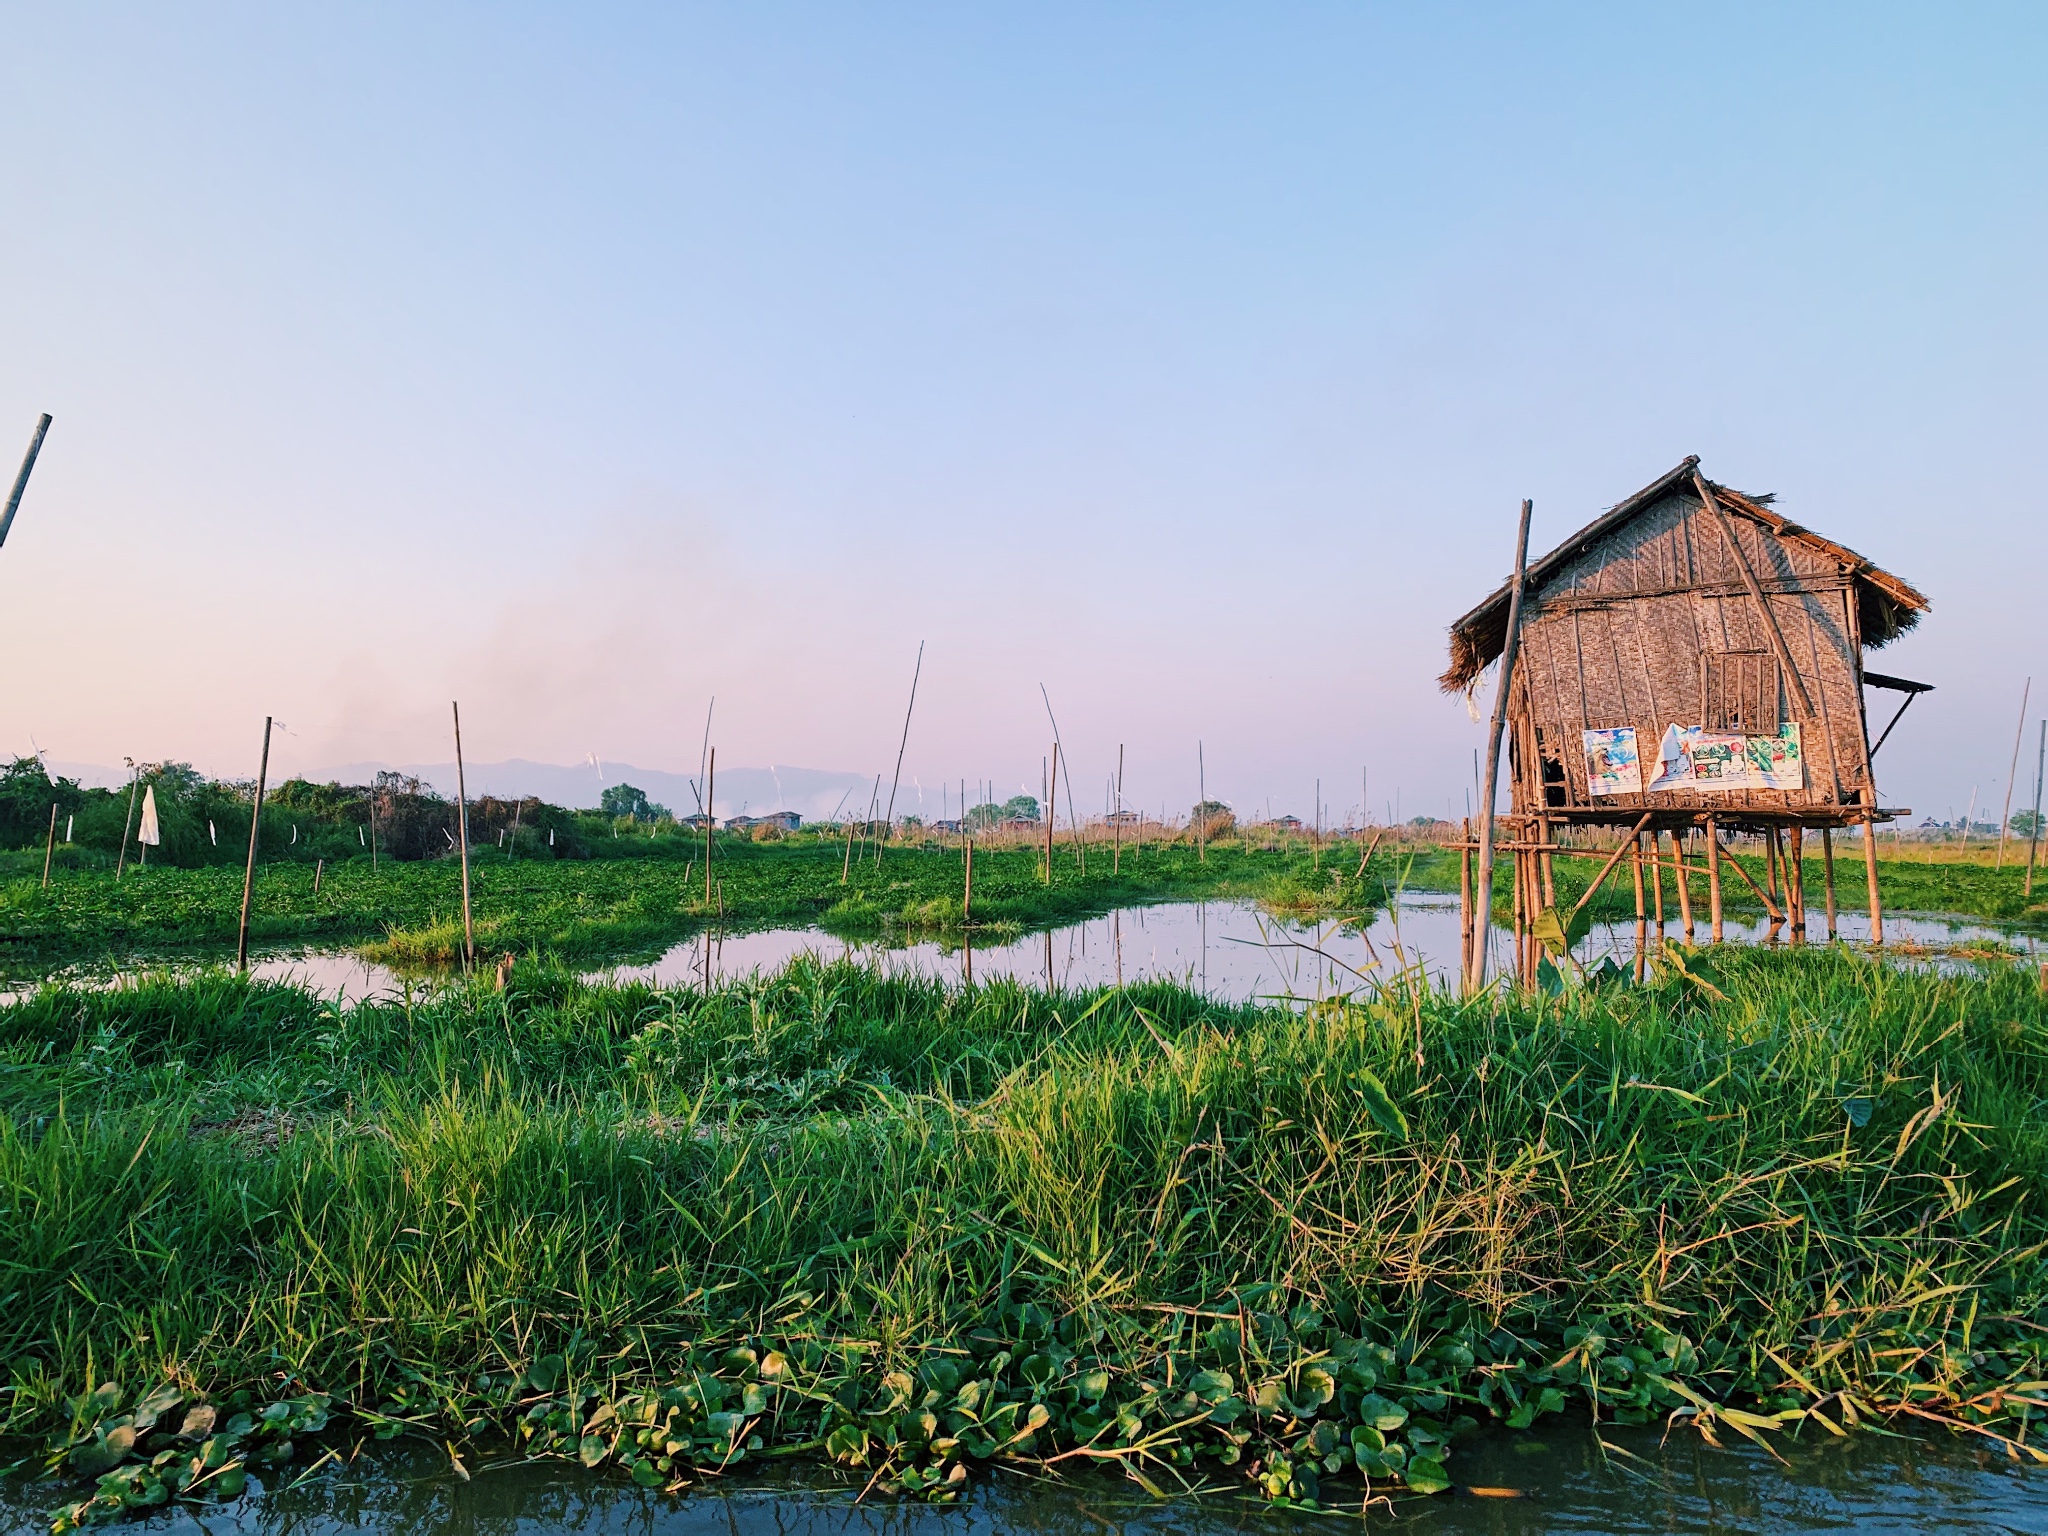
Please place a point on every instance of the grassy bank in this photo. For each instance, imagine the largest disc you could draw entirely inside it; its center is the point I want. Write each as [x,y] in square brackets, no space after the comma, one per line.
[917,1228]
[620,907]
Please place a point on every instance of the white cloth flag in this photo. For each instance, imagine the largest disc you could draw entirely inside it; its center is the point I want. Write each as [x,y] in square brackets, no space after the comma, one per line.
[149,833]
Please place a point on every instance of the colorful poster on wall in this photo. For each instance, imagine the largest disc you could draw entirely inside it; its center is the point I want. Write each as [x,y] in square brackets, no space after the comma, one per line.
[1720,759]
[1674,765]
[1612,766]
[1776,762]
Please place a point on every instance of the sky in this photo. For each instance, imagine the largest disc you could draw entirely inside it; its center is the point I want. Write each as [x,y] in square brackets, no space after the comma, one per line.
[1188,362]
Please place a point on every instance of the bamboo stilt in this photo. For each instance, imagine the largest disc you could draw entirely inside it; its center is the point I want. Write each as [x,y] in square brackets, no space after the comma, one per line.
[1642,916]
[1682,876]
[462,823]
[1827,864]
[50,847]
[1714,880]
[1795,879]
[1870,874]
[1466,908]
[1657,885]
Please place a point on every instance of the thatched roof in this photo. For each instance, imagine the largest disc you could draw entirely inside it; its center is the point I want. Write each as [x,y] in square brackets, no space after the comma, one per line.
[1887,606]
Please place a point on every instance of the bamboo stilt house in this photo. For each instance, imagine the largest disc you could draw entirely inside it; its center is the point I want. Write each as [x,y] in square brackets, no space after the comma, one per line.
[1690,662]
[1693,656]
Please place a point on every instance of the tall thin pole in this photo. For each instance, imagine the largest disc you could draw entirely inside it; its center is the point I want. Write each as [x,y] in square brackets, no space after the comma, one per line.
[1052,801]
[711,784]
[28,462]
[249,869]
[1201,805]
[1484,894]
[889,817]
[462,825]
[1116,859]
[2034,832]
[2019,734]
[50,847]
[134,779]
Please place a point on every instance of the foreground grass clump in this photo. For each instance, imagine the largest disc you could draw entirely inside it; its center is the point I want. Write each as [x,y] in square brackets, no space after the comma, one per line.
[916,1228]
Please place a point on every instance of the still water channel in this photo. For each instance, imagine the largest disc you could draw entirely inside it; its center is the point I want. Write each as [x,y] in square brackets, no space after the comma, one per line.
[1561,1479]
[1230,950]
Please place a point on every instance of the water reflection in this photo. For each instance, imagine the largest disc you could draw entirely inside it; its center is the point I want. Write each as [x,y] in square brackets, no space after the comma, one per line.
[1561,1478]
[1229,950]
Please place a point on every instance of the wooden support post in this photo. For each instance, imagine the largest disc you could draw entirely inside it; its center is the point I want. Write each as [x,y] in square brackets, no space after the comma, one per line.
[1520,893]
[1772,882]
[1714,879]
[1543,862]
[134,779]
[1827,864]
[1870,873]
[1642,917]
[462,821]
[249,870]
[1795,879]
[1657,885]
[50,847]
[1684,884]
[1770,906]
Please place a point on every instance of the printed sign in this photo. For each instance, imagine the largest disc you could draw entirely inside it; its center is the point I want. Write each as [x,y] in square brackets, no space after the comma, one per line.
[1776,762]
[1694,758]
[1612,766]
[1674,764]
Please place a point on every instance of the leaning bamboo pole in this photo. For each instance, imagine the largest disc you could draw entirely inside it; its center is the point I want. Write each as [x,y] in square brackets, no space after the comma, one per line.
[1475,975]
[249,870]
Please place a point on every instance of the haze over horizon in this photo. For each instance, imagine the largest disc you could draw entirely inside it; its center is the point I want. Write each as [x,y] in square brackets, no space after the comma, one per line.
[1192,364]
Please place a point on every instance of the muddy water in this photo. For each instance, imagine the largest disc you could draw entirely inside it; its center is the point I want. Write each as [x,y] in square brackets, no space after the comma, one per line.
[1561,1478]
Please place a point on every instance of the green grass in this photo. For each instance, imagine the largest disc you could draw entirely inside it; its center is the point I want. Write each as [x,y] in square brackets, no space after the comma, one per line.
[619,908]
[944,1225]
[1908,882]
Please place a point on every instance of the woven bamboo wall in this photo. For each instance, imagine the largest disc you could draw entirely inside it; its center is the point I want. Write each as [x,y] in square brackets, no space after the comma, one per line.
[1617,638]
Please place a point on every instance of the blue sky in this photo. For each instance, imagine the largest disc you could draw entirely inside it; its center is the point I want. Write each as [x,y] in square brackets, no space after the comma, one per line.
[585,362]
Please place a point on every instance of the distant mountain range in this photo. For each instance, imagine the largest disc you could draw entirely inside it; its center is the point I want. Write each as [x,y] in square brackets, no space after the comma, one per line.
[814,793]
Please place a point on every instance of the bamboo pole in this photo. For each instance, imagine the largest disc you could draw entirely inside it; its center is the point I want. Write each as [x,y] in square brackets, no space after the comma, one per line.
[1116,858]
[2034,832]
[1642,916]
[462,824]
[1870,874]
[710,788]
[889,816]
[1052,800]
[134,781]
[249,869]
[28,462]
[1475,977]
[50,847]
[967,890]
[1684,878]
[1793,679]
[1657,884]
[2018,736]
[1714,879]
[1620,849]
[1795,879]
[1827,865]
[1770,906]
[1201,806]
[1465,906]
[319,867]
